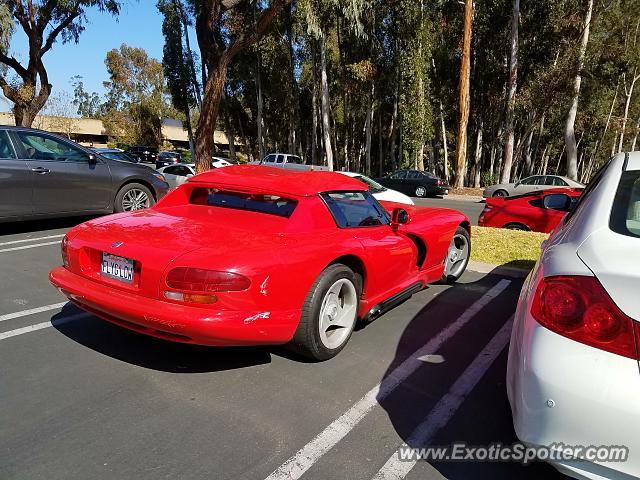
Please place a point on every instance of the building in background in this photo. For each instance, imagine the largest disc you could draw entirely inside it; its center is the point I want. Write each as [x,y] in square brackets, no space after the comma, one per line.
[91,132]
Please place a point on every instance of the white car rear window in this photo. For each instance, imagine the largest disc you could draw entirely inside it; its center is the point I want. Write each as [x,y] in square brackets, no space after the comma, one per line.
[625,215]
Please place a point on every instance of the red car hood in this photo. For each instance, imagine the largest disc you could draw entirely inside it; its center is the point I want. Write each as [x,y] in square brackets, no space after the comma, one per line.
[157,239]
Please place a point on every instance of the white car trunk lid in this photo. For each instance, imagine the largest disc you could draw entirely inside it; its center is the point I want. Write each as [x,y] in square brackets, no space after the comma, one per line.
[615,261]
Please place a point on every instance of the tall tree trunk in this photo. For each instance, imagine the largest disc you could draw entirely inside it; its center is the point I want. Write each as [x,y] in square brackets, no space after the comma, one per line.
[260,106]
[635,136]
[368,127]
[569,134]
[209,116]
[511,95]
[391,137]
[192,65]
[445,148]
[326,128]
[478,159]
[543,160]
[528,164]
[187,124]
[464,101]
[314,111]
[380,146]
[629,93]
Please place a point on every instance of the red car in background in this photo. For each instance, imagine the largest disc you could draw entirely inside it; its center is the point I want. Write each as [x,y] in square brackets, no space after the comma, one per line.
[538,211]
[249,255]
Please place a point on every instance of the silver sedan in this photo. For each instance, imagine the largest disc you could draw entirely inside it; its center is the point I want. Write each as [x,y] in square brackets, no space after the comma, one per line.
[529,184]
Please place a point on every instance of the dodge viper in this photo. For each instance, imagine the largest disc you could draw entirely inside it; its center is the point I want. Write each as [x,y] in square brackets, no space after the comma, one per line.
[536,211]
[249,255]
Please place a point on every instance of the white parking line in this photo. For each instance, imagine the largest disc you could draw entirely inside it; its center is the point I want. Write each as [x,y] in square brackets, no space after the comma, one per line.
[31,311]
[36,239]
[295,467]
[445,409]
[40,326]
[24,247]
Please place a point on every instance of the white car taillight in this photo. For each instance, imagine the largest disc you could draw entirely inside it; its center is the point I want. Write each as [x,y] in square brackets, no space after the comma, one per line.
[579,308]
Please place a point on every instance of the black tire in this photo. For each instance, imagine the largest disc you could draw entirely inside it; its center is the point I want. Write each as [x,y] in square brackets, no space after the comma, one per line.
[516,226]
[307,340]
[450,279]
[421,191]
[501,193]
[120,204]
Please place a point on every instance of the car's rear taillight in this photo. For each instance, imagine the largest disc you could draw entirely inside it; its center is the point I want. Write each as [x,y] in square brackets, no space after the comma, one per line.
[206,281]
[64,250]
[579,308]
[439,182]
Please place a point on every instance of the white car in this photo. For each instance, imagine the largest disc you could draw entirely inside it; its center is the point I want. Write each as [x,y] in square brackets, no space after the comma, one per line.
[380,192]
[573,376]
[177,174]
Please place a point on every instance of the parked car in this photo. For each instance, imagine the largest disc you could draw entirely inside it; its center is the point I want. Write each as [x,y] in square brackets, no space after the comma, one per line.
[178,174]
[217,162]
[536,211]
[572,374]
[237,257]
[44,175]
[143,153]
[168,158]
[529,184]
[415,183]
[288,161]
[115,154]
[380,192]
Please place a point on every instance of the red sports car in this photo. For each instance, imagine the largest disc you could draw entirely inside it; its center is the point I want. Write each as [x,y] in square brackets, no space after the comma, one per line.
[537,211]
[249,255]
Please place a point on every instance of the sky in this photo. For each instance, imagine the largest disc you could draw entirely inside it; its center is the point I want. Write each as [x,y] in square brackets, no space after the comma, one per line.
[138,25]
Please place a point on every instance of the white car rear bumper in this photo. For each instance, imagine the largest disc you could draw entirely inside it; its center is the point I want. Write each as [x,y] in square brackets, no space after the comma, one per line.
[562,391]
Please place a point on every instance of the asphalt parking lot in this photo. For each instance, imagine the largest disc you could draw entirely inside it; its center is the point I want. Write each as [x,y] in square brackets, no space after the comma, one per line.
[83,399]
[471,208]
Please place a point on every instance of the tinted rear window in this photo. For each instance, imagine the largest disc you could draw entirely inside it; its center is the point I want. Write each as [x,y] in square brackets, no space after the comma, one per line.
[625,214]
[355,209]
[262,203]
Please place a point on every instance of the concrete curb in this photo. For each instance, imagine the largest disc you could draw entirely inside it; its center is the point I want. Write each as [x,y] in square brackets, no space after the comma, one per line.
[498,269]
[464,198]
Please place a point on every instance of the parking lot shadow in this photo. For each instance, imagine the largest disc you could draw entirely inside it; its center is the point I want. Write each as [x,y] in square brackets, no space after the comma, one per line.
[149,352]
[484,416]
[41,225]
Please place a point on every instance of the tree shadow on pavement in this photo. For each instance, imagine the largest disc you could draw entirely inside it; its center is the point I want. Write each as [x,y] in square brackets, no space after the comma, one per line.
[484,417]
[150,352]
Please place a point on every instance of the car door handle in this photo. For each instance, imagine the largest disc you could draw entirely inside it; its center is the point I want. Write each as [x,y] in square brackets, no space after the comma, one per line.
[40,170]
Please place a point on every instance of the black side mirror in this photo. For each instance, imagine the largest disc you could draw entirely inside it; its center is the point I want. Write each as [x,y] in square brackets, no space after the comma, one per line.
[557,201]
[399,217]
[92,159]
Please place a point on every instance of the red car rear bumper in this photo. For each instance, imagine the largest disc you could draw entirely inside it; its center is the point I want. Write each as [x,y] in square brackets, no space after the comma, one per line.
[175,322]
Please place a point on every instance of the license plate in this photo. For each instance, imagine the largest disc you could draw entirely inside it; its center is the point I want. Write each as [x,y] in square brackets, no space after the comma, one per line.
[116,267]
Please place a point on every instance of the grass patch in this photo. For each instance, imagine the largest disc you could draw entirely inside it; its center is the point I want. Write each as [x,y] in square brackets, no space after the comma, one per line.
[500,246]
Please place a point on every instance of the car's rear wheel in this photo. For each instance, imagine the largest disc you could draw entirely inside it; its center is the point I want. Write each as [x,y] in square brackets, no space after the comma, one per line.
[516,226]
[421,191]
[133,196]
[458,254]
[329,314]
[500,193]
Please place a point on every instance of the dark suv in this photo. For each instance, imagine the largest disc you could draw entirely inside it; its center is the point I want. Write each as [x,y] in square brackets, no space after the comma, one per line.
[44,175]
[144,153]
[168,158]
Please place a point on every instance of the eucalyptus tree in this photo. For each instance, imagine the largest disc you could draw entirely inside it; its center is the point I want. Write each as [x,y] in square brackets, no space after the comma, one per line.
[223,31]
[44,22]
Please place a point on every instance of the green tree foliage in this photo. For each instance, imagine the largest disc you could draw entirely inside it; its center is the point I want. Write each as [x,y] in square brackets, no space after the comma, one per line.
[88,105]
[44,22]
[135,100]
